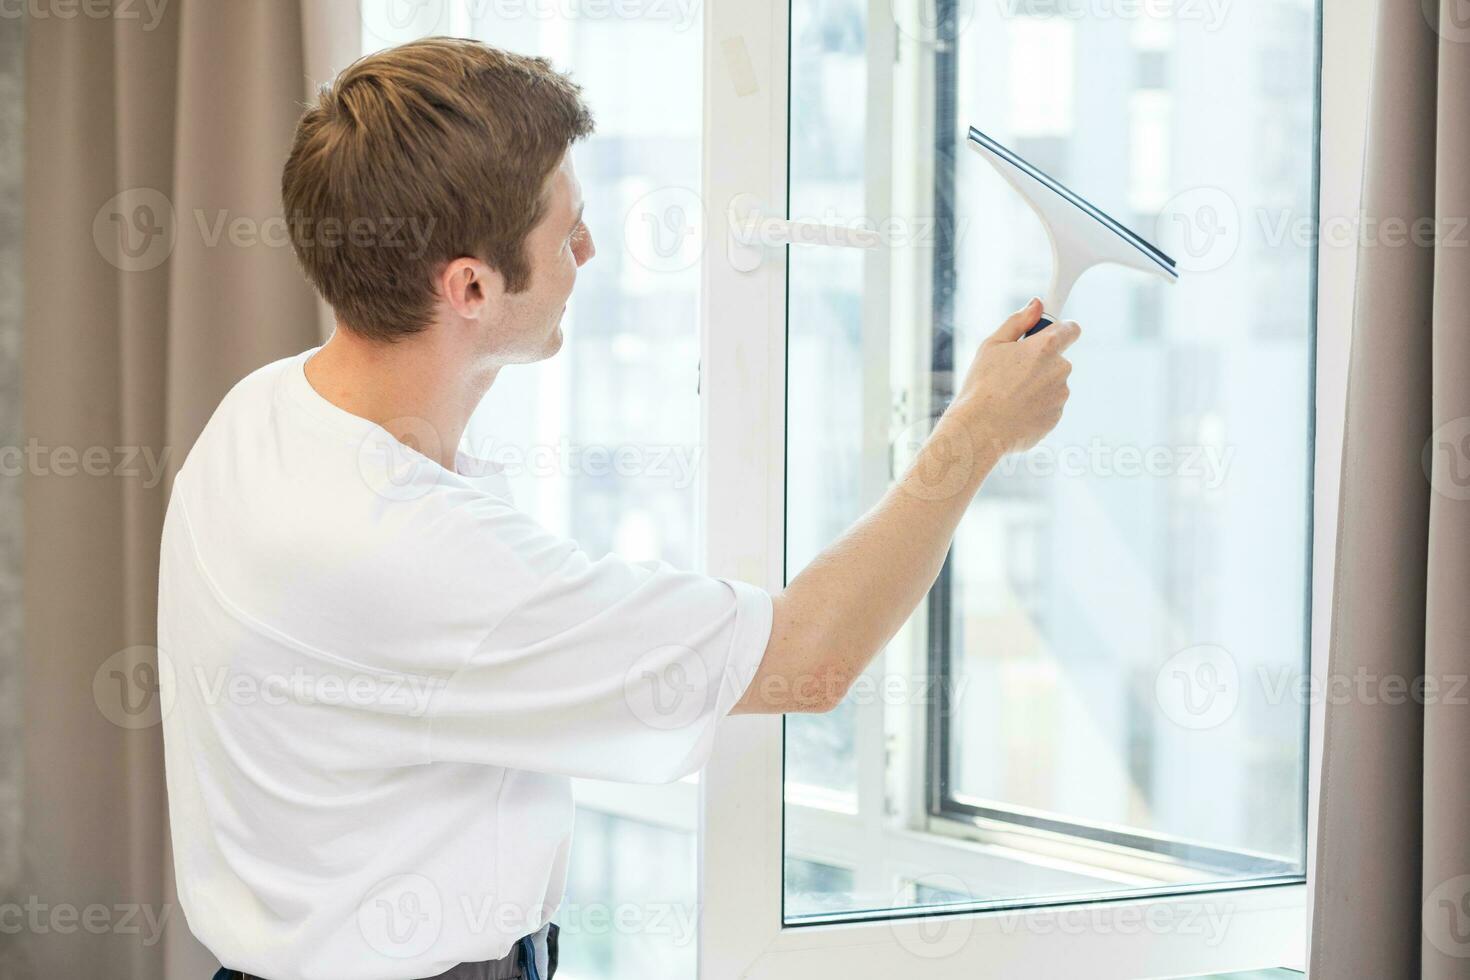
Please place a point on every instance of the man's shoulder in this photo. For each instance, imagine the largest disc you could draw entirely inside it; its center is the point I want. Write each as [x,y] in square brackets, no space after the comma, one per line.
[259,385]
[247,402]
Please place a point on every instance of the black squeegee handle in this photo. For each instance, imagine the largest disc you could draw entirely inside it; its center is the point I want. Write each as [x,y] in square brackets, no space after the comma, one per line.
[1041,325]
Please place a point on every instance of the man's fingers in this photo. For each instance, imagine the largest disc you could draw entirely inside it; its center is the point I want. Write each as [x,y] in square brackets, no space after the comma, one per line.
[1060,335]
[1016,325]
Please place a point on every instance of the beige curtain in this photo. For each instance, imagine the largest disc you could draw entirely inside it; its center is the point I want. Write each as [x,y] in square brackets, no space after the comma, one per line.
[1392,891]
[140,312]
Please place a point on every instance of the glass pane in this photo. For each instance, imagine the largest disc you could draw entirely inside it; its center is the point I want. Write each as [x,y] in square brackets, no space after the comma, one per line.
[601,442]
[1102,693]
[630,910]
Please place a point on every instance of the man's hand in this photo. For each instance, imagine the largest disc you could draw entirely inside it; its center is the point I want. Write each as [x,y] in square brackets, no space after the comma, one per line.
[1016,387]
[834,617]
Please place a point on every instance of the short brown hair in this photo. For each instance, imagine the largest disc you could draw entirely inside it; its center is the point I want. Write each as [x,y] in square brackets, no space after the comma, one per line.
[416,156]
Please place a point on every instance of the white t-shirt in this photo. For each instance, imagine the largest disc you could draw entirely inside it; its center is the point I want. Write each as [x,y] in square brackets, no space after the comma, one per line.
[377,677]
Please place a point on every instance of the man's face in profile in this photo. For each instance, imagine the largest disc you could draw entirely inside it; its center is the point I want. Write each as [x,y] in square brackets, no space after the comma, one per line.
[556,248]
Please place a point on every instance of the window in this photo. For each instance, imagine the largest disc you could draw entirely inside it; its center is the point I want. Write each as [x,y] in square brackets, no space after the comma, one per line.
[1048,772]
[1090,741]
[1096,699]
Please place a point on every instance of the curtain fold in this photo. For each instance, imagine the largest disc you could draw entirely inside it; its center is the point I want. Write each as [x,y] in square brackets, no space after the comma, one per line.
[152,283]
[1392,889]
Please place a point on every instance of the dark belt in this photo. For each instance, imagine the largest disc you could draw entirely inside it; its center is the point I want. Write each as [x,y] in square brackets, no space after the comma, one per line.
[518,964]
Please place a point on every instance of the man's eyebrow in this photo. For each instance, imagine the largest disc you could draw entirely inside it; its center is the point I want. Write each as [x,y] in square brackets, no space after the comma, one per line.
[578,220]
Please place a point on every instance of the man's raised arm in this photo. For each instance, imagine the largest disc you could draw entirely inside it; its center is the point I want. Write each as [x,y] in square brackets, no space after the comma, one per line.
[834,617]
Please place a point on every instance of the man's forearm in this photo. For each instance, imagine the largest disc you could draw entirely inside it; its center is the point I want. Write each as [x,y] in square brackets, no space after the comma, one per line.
[835,616]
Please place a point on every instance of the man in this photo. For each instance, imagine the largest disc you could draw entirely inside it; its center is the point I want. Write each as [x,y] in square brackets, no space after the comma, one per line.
[379,673]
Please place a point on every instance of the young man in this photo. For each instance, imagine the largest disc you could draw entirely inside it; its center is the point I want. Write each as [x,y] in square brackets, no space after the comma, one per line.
[379,674]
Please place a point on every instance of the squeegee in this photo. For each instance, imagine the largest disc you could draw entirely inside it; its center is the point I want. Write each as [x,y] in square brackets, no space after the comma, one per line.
[1082,235]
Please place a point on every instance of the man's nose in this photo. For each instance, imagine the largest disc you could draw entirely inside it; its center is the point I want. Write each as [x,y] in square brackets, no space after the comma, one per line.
[585,248]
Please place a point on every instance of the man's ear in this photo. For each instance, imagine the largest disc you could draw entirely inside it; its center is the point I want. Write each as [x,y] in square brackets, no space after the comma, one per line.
[467,285]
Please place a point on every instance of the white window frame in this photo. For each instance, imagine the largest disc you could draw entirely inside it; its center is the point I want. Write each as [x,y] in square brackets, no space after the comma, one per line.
[742,535]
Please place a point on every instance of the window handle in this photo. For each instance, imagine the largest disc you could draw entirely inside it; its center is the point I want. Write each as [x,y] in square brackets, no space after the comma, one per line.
[753,228]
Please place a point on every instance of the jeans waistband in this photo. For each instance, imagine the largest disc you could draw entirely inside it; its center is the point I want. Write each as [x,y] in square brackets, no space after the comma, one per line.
[533,957]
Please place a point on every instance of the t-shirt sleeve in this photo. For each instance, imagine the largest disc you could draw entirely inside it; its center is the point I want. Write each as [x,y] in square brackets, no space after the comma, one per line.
[606,668]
